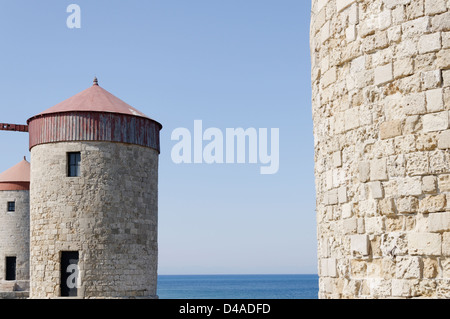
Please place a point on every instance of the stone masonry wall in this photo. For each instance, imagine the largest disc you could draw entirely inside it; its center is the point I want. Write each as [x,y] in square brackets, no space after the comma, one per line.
[15,233]
[381,103]
[109,215]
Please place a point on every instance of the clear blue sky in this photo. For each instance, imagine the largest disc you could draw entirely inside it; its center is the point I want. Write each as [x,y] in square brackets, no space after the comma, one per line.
[234,63]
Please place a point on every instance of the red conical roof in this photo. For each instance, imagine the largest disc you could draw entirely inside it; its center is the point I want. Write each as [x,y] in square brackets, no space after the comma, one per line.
[17,173]
[94,99]
[16,178]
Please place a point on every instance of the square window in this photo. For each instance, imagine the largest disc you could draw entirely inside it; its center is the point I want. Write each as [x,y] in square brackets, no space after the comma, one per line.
[74,162]
[11,206]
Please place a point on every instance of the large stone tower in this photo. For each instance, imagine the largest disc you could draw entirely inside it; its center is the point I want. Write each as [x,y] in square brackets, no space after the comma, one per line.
[381,101]
[15,228]
[94,199]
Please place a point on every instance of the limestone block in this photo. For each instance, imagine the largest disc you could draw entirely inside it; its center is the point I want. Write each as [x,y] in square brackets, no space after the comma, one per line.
[358,268]
[359,245]
[443,59]
[444,140]
[439,222]
[360,227]
[332,197]
[342,194]
[352,118]
[446,77]
[401,288]
[416,27]
[394,34]
[429,184]
[408,204]
[424,244]
[441,22]
[376,190]
[445,264]
[433,7]
[384,19]
[410,186]
[378,171]
[430,79]
[426,142]
[324,248]
[415,104]
[439,162]
[412,124]
[379,288]
[386,207]
[435,122]
[374,225]
[376,42]
[446,244]
[408,267]
[329,77]
[384,74]
[350,33]
[393,244]
[331,267]
[429,43]
[347,210]
[435,100]
[444,183]
[430,267]
[368,26]
[417,163]
[390,129]
[337,159]
[414,10]
[353,16]
[329,179]
[432,204]
[349,226]
[403,67]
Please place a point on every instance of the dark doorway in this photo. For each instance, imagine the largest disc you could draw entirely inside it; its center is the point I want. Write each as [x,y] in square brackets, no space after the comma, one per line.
[10,268]
[69,273]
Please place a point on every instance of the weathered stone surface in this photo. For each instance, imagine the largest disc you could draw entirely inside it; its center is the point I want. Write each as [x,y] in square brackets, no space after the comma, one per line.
[390,129]
[15,233]
[378,171]
[386,101]
[360,245]
[424,244]
[408,268]
[432,204]
[439,222]
[108,215]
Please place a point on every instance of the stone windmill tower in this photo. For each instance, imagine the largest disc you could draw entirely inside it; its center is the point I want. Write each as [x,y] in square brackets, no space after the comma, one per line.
[93,199]
[381,101]
[15,227]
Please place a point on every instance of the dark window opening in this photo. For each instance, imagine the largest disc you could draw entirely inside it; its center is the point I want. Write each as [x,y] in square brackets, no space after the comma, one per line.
[74,161]
[10,268]
[69,274]
[11,206]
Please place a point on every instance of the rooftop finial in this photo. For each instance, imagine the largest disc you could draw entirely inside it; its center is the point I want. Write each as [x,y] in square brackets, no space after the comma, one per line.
[95,81]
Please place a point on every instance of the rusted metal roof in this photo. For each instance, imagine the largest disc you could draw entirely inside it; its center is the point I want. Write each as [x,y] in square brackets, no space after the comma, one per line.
[94,115]
[94,99]
[17,177]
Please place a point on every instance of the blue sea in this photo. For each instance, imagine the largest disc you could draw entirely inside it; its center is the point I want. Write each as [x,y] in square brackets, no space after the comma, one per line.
[238,286]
